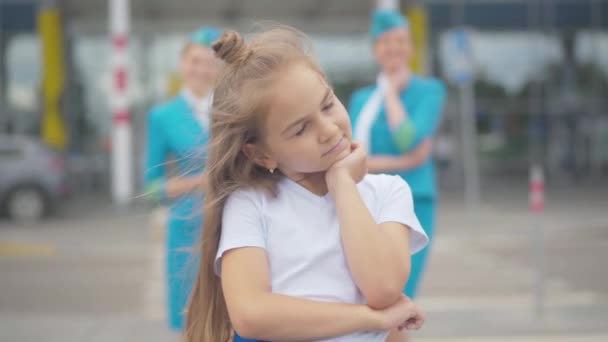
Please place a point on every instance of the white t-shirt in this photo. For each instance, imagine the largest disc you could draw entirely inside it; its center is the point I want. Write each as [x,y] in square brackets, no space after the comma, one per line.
[300,233]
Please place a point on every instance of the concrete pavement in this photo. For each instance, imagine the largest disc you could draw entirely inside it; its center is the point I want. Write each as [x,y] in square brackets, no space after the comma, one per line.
[95,274]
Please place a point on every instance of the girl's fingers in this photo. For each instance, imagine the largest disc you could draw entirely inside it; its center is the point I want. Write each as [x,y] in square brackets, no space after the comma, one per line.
[416,323]
[412,326]
[355,145]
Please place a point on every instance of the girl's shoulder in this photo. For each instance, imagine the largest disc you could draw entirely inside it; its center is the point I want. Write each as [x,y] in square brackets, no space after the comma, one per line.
[248,196]
[383,183]
[381,179]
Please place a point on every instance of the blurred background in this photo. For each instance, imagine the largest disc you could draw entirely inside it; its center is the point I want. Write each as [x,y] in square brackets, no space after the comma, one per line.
[81,255]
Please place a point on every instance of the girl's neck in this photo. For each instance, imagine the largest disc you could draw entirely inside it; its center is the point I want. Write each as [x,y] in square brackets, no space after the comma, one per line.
[313,182]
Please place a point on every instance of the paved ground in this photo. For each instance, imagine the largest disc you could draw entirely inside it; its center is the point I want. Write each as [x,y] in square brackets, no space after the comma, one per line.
[95,273]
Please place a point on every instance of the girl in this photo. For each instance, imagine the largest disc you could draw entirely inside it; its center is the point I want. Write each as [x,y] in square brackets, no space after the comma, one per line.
[305,244]
[179,128]
[397,119]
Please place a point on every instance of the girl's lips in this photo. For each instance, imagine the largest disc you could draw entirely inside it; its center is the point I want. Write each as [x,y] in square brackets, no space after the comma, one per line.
[335,148]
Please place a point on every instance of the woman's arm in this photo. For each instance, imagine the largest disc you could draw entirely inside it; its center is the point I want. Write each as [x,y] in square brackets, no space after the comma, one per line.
[406,161]
[161,189]
[157,186]
[395,110]
[257,313]
[409,129]
[178,186]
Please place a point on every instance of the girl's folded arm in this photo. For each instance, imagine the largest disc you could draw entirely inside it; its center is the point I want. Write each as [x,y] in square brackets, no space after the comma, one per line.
[257,313]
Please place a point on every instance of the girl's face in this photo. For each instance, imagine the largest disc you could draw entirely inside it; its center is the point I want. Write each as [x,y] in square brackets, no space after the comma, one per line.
[199,68]
[307,128]
[394,49]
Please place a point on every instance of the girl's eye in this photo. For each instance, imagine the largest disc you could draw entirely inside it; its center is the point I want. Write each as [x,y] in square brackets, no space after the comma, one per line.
[301,130]
[328,106]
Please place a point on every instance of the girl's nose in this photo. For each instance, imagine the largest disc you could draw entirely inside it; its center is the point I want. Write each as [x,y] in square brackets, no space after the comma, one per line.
[328,129]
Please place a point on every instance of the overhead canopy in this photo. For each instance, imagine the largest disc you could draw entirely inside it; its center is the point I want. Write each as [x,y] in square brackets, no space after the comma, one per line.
[327,16]
[17,16]
[519,14]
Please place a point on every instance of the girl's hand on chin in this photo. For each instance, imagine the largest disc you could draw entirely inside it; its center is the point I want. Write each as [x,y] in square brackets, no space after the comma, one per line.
[354,165]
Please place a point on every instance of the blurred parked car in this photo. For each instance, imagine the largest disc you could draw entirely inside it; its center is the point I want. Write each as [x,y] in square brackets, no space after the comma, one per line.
[33,178]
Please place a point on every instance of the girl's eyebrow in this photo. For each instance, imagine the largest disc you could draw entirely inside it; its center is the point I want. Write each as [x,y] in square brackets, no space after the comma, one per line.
[328,93]
[298,121]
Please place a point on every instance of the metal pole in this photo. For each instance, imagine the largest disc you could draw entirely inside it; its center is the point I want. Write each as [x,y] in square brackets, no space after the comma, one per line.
[536,180]
[4,120]
[468,126]
[537,207]
[596,148]
[473,191]
[539,303]
[469,148]
[122,171]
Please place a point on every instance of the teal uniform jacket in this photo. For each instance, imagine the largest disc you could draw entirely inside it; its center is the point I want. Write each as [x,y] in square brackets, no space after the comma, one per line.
[423,100]
[177,140]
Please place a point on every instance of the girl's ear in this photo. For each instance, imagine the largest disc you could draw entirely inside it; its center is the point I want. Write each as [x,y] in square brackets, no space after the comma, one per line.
[259,157]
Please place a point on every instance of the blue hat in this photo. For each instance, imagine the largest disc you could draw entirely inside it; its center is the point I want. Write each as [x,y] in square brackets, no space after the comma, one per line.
[205,36]
[386,20]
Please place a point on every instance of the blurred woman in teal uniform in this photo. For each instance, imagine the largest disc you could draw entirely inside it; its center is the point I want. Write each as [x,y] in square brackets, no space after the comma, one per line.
[397,118]
[178,130]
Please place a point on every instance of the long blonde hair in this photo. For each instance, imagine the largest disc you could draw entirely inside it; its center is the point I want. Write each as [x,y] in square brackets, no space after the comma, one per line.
[241,99]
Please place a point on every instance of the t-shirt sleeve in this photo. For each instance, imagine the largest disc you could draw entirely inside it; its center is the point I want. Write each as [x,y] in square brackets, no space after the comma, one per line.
[242,225]
[397,205]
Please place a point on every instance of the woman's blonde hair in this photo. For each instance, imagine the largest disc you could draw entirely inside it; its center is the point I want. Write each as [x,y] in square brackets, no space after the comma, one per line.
[241,99]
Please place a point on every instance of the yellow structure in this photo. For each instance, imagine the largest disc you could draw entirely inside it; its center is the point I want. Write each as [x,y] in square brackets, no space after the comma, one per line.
[417,16]
[53,77]
[174,85]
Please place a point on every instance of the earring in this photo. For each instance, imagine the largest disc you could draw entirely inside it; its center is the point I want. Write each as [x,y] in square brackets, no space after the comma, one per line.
[271,170]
